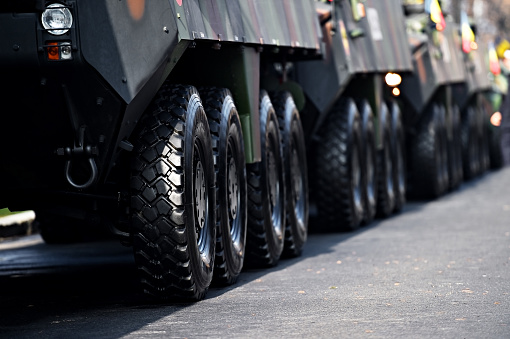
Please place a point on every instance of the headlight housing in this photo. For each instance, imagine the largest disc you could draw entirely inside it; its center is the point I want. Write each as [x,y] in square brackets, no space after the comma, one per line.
[57,19]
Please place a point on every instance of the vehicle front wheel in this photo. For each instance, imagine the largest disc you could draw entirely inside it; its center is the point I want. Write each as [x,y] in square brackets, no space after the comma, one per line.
[337,172]
[266,193]
[399,160]
[296,176]
[429,156]
[385,157]
[230,183]
[369,170]
[173,196]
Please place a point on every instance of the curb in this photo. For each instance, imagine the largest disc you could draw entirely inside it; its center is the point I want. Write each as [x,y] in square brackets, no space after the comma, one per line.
[18,224]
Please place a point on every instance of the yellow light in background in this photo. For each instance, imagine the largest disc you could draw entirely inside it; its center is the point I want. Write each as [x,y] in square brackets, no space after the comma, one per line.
[393,79]
[496,119]
[361,10]
[396,91]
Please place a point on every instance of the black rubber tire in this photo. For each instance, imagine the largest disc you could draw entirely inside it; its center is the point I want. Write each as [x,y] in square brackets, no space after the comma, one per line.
[485,160]
[495,149]
[173,196]
[296,173]
[455,171]
[369,170]
[470,144]
[429,162]
[385,185]
[399,156]
[266,193]
[338,169]
[231,197]
[443,149]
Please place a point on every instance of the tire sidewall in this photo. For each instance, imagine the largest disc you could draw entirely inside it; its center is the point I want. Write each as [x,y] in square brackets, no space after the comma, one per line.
[270,136]
[399,156]
[197,133]
[230,130]
[368,142]
[386,201]
[293,140]
[356,147]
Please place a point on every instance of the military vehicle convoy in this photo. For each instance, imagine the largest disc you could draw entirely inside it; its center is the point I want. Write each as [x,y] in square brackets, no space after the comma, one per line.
[204,133]
[444,101]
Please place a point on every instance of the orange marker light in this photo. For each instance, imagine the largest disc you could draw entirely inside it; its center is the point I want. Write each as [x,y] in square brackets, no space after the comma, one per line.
[53,53]
[496,119]
[396,92]
[361,10]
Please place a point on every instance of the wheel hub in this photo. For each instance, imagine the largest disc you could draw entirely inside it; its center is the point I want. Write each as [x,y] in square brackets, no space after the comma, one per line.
[200,195]
[233,188]
[401,169]
[389,168]
[370,173]
[356,179]
[296,176]
[272,178]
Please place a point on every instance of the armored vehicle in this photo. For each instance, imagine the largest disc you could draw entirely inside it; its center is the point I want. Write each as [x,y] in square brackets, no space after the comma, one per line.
[354,129]
[190,128]
[148,117]
[444,101]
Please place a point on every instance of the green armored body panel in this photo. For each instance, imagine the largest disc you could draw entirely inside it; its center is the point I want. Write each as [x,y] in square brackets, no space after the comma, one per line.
[478,71]
[372,44]
[350,116]
[189,129]
[441,100]
[437,62]
[148,118]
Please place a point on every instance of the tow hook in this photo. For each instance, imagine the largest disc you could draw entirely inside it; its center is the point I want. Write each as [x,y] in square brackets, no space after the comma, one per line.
[80,150]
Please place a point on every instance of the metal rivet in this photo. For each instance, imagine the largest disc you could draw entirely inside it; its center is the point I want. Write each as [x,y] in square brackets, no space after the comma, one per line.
[16,47]
[124,80]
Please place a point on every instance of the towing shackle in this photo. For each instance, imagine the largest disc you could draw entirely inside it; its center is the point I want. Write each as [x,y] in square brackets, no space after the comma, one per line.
[80,150]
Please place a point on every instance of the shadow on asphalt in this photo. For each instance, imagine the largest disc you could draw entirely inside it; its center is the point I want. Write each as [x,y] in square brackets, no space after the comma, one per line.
[40,282]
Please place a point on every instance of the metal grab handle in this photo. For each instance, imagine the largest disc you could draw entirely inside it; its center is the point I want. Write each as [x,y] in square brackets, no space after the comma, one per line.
[93,175]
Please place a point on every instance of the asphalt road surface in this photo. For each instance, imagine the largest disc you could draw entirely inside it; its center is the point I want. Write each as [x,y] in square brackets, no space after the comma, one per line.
[440,269]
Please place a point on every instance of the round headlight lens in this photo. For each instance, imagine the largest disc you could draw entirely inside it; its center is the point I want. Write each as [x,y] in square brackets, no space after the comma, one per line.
[57,19]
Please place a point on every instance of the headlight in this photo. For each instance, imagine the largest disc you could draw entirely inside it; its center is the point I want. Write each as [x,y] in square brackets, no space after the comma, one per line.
[393,79]
[57,19]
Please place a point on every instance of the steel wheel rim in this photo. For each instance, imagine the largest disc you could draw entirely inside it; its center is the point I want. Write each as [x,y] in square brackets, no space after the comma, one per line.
[370,174]
[233,196]
[297,185]
[389,168]
[356,178]
[401,169]
[275,197]
[201,206]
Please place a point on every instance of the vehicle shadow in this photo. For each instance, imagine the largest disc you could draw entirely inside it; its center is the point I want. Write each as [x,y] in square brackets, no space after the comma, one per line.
[92,288]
